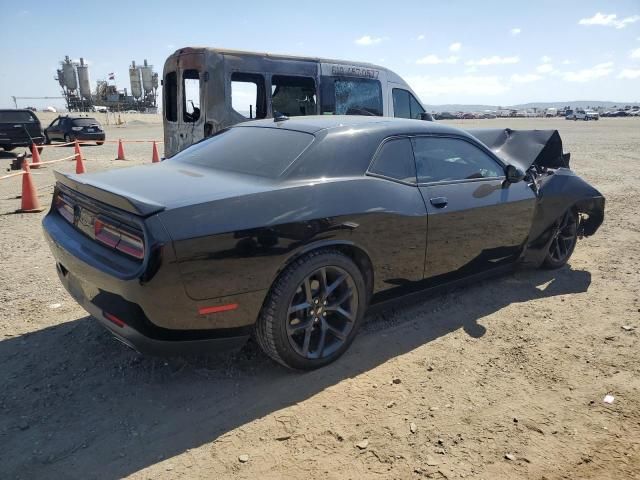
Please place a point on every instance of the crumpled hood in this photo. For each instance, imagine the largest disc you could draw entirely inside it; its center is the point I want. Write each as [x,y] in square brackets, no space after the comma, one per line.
[524,148]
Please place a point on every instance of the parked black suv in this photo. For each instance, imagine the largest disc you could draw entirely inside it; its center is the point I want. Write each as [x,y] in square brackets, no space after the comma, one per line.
[68,129]
[19,128]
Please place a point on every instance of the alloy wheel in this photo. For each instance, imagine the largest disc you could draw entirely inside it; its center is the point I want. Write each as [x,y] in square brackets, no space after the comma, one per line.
[322,312]
[564,238]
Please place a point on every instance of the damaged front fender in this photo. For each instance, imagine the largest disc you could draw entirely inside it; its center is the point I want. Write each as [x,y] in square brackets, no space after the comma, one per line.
[559,191]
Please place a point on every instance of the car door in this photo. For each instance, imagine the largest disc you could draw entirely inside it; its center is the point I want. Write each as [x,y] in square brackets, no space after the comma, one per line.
[396,234]
[476,220]
[53,130]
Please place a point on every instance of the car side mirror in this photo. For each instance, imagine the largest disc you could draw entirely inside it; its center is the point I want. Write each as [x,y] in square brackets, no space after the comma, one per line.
[426,116]
[514,174]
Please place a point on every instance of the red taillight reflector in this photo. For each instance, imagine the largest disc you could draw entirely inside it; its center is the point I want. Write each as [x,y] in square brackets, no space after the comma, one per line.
[113,319]
[217,309]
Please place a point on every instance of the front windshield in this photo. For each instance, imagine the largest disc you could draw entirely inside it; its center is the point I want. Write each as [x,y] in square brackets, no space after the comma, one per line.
[262,151]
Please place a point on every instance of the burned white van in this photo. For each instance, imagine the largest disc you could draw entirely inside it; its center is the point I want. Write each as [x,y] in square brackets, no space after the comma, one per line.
[208,89]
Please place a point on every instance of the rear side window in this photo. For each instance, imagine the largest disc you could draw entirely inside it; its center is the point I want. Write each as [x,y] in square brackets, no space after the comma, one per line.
[266,152]
[443,159]
[351,96]
[248,96]
[395,160]
[171,96]
[17,116]
[293,96]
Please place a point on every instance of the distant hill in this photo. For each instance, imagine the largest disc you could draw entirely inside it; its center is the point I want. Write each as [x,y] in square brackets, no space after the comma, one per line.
[524,106]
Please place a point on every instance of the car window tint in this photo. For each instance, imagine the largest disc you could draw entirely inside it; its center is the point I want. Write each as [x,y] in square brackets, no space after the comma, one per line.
[84,122]
[401,105]
[395,160]
[442,159]
[265,152]
[17,116]
[354,96]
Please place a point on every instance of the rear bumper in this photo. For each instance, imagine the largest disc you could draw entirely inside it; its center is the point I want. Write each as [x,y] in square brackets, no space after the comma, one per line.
[154,314]
[151,346]
[94,137]
[20,142]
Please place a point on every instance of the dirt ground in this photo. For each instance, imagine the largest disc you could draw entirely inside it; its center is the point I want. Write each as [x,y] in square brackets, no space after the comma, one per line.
[501,380]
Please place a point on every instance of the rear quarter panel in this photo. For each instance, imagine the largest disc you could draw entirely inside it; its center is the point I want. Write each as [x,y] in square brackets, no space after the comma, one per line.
[241,244]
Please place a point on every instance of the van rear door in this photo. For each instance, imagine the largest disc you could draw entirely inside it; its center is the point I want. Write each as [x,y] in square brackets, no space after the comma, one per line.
[184,109]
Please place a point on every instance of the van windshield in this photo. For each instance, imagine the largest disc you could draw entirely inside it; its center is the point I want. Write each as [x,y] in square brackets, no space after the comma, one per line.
[262,151]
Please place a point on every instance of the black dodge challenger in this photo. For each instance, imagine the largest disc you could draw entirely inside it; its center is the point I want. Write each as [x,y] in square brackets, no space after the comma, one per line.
[290,229]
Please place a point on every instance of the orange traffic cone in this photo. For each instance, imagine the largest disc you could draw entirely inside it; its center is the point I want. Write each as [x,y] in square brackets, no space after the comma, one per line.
[35,156]
[120,151]
[29,201]
[155,158]
[79,164]
[76,146]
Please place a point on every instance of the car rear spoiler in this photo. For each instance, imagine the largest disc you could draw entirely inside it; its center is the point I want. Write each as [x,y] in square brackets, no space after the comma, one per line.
[524,148]
[122,200]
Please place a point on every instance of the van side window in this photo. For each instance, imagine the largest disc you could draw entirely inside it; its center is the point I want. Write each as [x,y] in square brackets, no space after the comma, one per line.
[248,96]
[405,105]
[171,96]
[190,96]
[293,96]
[351,96]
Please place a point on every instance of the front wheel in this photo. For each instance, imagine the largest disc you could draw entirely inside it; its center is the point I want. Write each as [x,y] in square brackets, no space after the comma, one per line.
[313,311]
[565,237]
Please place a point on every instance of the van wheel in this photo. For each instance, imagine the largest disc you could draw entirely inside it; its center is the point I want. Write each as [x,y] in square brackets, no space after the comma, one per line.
[313,311]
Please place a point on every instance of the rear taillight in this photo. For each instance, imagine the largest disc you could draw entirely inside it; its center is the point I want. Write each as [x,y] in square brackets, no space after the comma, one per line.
[118,238]
[64,208]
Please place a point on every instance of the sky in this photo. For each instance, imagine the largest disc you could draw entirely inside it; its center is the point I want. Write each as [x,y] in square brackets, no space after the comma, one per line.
[458,51]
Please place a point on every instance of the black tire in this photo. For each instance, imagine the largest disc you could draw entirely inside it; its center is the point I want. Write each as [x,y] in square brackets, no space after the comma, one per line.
[99,143]
[565,237]
[47,140]
[326,329]
[8,149]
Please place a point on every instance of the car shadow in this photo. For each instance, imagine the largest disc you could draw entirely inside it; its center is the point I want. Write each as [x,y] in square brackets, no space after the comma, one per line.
[76,404]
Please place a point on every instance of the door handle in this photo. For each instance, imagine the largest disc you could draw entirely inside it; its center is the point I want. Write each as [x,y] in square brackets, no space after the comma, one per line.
[439,202]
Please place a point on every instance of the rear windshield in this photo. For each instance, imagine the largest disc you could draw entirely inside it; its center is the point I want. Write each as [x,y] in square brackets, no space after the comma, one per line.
[266,152]
[85,122]
[17,116]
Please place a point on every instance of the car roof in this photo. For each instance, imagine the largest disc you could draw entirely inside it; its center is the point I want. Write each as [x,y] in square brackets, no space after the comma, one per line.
[385,125]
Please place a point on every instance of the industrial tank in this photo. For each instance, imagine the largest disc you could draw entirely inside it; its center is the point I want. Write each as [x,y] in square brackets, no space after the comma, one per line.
[69,74]
[134,77]
[147,77]
[83,80]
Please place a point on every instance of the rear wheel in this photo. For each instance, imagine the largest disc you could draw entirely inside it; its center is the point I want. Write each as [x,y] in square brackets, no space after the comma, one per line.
[565,237]
[313,311]
[99,143]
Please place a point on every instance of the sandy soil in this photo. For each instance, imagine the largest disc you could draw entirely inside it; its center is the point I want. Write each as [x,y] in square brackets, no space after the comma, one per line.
[500,380]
